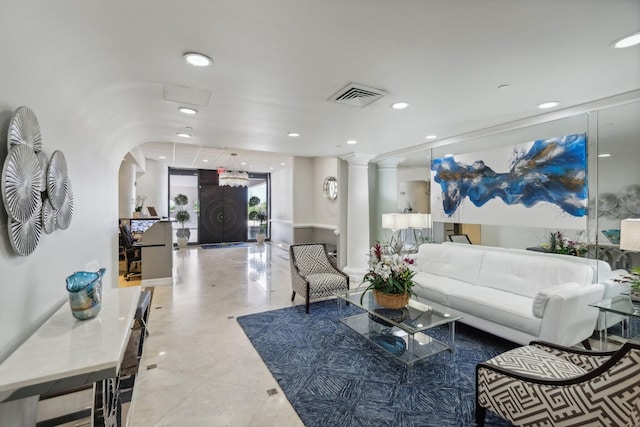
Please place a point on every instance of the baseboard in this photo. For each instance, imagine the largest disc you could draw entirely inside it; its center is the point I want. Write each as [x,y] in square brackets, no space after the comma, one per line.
[162,281]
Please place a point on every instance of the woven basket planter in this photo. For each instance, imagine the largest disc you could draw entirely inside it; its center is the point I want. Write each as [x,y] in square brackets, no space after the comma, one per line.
[391,300]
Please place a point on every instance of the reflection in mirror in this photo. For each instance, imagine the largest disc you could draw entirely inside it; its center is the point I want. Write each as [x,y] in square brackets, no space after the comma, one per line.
[510,236]
[618,179]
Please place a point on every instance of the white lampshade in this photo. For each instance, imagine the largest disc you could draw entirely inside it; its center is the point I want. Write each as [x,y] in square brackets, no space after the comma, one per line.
[419,220]
[389,221]
[630,234]
[416,220]
[402,221]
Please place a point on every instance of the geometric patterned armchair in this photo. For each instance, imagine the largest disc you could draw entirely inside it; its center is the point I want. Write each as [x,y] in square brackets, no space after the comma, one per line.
[545,384]
[313,274]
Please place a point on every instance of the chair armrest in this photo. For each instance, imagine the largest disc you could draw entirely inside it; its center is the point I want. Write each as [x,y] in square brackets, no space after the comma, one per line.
[567,318]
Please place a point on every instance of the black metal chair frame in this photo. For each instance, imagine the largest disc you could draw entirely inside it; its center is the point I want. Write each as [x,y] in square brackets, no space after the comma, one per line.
[132,254]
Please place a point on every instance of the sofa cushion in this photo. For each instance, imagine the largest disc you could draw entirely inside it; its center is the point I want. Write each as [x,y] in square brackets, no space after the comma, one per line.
[527,275]
[455,262]
[504,308]
[436,288]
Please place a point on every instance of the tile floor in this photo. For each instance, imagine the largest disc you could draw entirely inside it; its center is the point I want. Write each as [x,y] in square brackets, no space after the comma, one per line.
[198,368]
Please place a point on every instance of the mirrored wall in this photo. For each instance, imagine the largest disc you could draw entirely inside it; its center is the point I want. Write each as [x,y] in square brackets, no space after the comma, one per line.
[612,180]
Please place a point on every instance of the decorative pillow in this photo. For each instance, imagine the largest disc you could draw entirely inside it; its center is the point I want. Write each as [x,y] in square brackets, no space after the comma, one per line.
[541,298]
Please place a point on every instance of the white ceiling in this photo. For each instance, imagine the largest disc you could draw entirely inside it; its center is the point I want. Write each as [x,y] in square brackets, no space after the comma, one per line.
[277,62]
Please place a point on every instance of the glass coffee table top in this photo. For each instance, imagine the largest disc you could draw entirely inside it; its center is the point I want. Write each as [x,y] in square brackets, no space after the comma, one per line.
[417,316]
[621,304]
[401,332]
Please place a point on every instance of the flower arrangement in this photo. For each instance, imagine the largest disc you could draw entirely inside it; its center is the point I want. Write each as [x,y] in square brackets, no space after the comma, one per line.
[559,244]
[632,279]
[139,203]
[390,274]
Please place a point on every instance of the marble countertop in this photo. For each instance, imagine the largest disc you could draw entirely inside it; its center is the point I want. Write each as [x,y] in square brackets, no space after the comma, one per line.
[65,352]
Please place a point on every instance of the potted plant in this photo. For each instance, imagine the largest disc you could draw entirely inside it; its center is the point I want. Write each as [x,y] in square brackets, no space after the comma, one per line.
[182,216]
[390,278]
[258,214]
[138,205]
[633,280]
[559,244]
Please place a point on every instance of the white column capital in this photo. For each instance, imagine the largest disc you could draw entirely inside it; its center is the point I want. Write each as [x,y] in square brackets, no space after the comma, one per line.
[390,162]
[358,159]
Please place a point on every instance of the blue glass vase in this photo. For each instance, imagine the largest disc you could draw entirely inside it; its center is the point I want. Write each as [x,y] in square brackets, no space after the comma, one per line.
[85,293]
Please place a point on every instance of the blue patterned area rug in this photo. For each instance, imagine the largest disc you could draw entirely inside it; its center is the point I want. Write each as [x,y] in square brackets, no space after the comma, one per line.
[223,245]
[334,377]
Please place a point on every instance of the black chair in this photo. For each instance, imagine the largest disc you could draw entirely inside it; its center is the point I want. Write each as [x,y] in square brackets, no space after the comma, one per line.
[132,253]
[459,238]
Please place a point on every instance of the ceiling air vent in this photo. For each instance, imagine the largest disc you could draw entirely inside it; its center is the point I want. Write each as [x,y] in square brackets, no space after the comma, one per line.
[357,95]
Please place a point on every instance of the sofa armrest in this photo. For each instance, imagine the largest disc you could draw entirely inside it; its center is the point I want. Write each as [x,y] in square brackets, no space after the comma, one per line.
[567,318]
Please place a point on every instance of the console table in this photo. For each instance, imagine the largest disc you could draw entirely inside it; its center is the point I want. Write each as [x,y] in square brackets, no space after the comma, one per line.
[65,353]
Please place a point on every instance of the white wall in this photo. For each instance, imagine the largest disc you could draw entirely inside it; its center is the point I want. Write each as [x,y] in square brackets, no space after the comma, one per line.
[298,200]
[282,204]
[32,287]
[126,189]
[153,183]
[325,212]
[303,206]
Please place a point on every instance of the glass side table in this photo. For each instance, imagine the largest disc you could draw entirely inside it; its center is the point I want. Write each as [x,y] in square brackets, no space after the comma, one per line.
[623,305]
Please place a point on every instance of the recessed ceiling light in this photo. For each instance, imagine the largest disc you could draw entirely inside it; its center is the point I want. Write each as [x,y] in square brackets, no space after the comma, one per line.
[282,164]
[431,136]
[243,163]
[604,155]
[162,157]
[448,155]
[205,160]
[183,135]
[399,105]
[197,59]
[549,104]
[187,110]
[293,134]
[627,41]
[352,141]
[271,167]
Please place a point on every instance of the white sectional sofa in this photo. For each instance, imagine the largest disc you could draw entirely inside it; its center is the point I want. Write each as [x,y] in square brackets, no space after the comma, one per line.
[602,273]
[517,296]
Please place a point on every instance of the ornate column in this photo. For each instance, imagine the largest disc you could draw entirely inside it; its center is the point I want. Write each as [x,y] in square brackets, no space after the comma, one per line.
[358,232]
[387,192]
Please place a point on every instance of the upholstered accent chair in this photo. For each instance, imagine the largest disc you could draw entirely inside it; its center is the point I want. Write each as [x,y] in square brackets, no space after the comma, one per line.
[545,384]
[313,273]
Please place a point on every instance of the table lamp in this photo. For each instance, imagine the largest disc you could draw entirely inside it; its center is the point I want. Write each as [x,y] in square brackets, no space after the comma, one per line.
[396,222]
[630,235]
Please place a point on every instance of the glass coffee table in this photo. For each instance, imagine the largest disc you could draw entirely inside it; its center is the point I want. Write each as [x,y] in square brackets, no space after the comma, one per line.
[401,332]
[623,305]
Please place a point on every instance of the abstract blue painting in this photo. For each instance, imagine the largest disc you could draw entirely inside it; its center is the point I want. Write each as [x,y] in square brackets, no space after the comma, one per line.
[546,172]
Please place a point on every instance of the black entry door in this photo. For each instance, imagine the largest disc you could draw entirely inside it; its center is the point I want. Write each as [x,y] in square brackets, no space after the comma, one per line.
[223,214]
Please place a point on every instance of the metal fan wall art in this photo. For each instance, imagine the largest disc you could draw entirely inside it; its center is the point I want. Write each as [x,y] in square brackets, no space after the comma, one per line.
[36,190]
